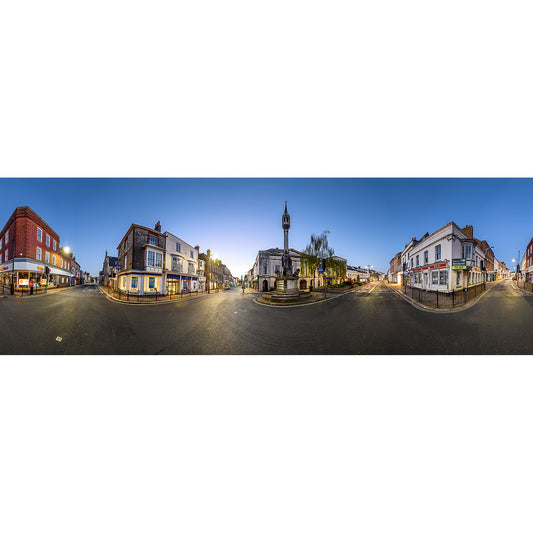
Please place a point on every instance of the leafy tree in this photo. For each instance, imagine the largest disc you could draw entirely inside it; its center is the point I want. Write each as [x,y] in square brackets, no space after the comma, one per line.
[317,249]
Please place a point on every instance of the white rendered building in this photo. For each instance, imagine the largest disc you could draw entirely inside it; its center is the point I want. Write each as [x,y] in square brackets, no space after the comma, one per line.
[447,260]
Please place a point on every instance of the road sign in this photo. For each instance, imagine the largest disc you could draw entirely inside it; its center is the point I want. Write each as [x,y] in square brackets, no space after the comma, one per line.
[320,270]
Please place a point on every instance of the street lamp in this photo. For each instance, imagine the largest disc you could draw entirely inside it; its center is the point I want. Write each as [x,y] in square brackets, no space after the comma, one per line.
[368,267]
[13,270]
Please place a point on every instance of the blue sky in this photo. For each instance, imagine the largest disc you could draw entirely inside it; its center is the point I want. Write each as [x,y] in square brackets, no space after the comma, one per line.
[369,219]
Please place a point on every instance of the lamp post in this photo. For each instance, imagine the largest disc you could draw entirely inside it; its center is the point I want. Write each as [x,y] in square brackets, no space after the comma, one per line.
[13,269]
[368,267]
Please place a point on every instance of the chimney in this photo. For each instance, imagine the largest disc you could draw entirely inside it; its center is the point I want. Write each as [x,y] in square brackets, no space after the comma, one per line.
[158,226]
[197,248]
[469,230]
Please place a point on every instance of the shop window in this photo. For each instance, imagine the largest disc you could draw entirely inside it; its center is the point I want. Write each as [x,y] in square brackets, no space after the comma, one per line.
[124,282]
[151,283]
[434,278]
[134,282]
[443,277]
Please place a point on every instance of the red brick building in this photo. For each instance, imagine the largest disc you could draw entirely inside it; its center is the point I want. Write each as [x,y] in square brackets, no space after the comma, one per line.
[28,245]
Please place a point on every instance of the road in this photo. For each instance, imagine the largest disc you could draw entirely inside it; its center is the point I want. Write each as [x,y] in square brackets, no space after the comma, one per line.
[81,320]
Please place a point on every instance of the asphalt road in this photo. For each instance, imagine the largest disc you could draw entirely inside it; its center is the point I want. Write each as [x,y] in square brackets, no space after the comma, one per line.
[83,321]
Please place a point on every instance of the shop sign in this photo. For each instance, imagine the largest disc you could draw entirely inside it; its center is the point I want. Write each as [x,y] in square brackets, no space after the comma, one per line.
[5,268]
[23,282]
[458,264]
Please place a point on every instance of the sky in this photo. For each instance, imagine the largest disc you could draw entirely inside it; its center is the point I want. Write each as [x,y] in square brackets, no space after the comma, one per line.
[369,220]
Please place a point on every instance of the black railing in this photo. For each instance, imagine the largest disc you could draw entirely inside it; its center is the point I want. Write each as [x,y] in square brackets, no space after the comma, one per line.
[526,285]
[135,297]
[444,300]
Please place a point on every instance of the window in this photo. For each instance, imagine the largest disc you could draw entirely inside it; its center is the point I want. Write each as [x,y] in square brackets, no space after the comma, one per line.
[62,263]
[1,242]
[123,282]
[54,244]
[426,257]
[178,247]
[39,234]
[7,236]
[434,278]
[191,268]
[417,260]
[411,263]
[192,254]
[467,251]
[6,256]
[443,277]
[47,257]
[158,260]
[48,240]
[152,239]
[177,264]
[38,253]
[458,280]
[53,259]
[151,283]
[437,253]
[134,282]
[151,258]
[265,270]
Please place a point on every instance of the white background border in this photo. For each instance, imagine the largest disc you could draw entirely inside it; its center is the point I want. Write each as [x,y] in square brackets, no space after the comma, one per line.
[237,88]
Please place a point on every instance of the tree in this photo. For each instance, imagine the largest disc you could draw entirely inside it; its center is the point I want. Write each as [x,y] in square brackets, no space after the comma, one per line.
[317,249]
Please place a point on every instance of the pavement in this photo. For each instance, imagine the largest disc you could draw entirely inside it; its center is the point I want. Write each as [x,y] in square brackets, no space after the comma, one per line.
[83,321]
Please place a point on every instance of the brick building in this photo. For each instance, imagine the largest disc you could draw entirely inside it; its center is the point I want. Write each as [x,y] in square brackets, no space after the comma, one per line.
[28,246]
[141,255]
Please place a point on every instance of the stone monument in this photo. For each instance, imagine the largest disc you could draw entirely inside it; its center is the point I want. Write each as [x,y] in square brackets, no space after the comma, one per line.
[287,281]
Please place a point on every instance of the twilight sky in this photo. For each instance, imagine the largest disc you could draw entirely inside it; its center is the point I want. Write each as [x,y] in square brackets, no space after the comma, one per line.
[370,220]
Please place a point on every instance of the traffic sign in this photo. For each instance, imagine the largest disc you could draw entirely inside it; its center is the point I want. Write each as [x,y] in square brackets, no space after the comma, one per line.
[320,270]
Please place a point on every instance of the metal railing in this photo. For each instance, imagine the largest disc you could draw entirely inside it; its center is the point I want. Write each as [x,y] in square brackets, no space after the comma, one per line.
[444,300]
[135,297]
[526,285]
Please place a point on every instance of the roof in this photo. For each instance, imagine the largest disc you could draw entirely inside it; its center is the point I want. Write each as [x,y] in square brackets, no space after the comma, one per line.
[25,211]
[142,227]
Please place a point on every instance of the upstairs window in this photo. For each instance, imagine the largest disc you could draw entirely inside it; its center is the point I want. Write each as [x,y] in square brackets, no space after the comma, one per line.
[426,257]
[6,256]
[159,260]
[417,260]
[39,234]
[178,247]
[152,239]
[47,257]
[265,270]
[48,240]
[53,259]
[437,253]
[467,251]
[38,253]
[7,236]
[151,258]
[191,254]
[54,244]
[177,264]
[191,268]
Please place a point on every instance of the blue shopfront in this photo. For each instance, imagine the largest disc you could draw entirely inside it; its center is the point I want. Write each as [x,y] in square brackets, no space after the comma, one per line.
[178,283]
